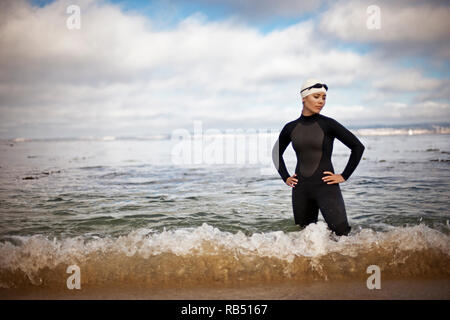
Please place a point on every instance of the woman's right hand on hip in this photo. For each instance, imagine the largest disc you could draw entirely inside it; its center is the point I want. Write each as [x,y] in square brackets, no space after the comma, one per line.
[292,181]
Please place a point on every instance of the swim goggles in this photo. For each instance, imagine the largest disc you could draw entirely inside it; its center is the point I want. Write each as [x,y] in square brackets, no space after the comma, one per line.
[317,85]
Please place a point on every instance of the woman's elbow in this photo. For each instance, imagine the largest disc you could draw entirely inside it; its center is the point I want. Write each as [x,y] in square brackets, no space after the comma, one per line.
[361,148]
[358,148]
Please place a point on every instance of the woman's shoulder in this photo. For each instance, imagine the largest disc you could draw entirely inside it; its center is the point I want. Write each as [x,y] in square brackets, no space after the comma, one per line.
[288,127]
[291,124]
[328,120]
[330,125]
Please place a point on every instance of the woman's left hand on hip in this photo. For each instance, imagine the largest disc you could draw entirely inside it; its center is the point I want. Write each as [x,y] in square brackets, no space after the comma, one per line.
[332,178]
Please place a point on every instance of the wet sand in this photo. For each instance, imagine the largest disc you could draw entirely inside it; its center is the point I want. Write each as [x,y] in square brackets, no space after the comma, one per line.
[437,289]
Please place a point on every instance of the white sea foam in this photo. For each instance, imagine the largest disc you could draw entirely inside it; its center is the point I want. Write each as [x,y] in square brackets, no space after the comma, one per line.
[30,254]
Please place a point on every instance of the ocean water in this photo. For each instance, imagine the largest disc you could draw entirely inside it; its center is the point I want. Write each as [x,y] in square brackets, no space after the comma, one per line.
[158,213]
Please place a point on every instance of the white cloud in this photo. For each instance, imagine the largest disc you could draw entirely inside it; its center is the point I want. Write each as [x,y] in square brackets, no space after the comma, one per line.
[120,75]
[409,27]
[390,112]
[407,80]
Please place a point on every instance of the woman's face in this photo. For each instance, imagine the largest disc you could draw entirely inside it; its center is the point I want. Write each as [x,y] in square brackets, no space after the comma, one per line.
[314,102]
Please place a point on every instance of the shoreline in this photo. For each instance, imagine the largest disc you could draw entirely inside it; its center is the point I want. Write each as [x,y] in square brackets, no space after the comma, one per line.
[409,289]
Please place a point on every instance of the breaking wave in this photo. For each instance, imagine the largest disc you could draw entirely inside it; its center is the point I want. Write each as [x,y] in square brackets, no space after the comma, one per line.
[207,255]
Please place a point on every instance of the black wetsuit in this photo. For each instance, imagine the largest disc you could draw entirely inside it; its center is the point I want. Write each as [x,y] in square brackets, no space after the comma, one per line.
[312,139]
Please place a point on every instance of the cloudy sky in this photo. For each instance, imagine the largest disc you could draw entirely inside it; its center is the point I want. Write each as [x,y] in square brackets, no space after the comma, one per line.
[138,68]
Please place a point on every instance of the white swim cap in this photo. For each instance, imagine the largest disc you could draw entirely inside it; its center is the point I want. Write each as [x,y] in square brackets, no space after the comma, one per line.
[321,87]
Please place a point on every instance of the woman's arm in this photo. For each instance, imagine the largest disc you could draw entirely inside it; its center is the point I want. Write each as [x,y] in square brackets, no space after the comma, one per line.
[352,142]
[277,152]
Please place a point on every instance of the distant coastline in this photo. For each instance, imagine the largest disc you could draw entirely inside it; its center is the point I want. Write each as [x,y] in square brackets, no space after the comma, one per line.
[373,130]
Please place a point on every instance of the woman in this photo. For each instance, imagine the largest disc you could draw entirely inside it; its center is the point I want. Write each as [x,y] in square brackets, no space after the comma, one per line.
[315,185]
